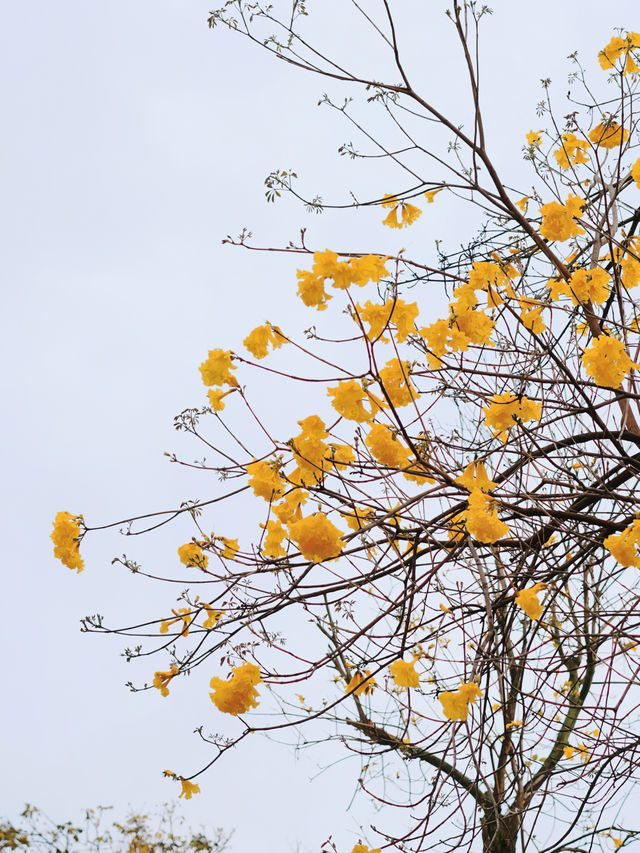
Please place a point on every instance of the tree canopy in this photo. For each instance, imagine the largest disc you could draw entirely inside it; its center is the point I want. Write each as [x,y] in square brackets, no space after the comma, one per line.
[443,573]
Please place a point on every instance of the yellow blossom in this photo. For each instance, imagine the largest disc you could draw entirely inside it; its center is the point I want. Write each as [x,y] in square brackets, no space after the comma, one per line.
[431,194]
[238,694]
[475,476]
[404,674]
[317,538]
[504,408]
[606,361]
[635,172]
[311,290]
[523,203]
[358,517]
[191,554]
[362,848]
[482,520]
[558,219]
[189,789]
[455,705]
[395,311]
[230,549]
[264,480]
[162,679]
[608,135]
[213,617]
[623,546]
[216,370]
[272,546]
[258,341]
[534,138]
[386,448]
[572,151]
[216,396]
[66,544]
[527,600]
[182,613]
[408,212]
[361,682]
[620,47]
[395,380]
[347,401]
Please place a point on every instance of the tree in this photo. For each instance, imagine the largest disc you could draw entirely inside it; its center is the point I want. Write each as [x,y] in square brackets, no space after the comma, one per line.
[139,833]
[459,597]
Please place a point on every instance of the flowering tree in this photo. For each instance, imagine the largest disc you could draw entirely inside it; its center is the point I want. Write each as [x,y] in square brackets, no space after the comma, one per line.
[451,533]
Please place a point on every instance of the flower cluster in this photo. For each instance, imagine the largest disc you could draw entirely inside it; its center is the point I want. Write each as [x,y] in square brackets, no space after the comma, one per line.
[408,212]
[624,546]
[607,361]
[404,674]
[455,705]
[506,409]
[558,220]
[527,600]
[359,271]
[66,540]
[238,694]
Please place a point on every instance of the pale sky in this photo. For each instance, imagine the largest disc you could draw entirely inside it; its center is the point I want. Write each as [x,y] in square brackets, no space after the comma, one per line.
[135,139]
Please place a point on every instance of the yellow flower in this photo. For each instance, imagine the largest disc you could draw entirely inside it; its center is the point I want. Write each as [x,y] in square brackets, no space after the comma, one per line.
[362,848]
[395,311]
[623,546]
[182,613]
[213,617]
[258,341]
[607,362]
[216,370]
[404,674]
[431,194]
[361,682]
[572,151]
[162,679]
[358,517]
[527,600]
[386,447]
[231,547]
[618,47]
[191,555]
[635,172]
[504,408]
[476,326]
[264,480]
[238,694]
[583,287]
[409,213]
[608,135]
[523,203]
[558,219]
[396,382]
[475,476]
[189,789]
[216,396]
[311,290]
[482,520]
[317,538]
[347,401]
[455,705]
[66,540]
[272,546]
[368,268]
[534,138]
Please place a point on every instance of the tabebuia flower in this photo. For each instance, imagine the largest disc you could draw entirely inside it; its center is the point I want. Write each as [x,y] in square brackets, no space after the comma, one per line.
[455,705]
[361,683]
[237,695]
[408,212]
[608,134]
[624,546]
[189,789]
[558,220]
[161,680]
[527,600]
[620,48]
[505,408]
[404,674]
[191,554]
[258,341]
[481,519]
[216,370]
[66,540]
[317,538]
[607,362]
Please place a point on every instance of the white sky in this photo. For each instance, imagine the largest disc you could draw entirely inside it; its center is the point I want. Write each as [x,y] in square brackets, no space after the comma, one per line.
[134,140]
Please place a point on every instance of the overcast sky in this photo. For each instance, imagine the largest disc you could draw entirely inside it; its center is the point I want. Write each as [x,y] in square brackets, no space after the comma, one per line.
[134,140]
